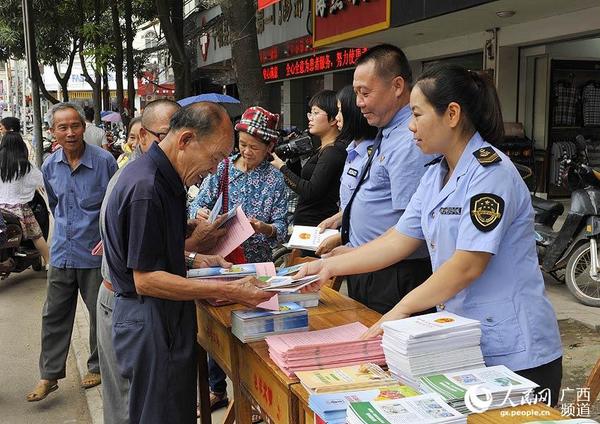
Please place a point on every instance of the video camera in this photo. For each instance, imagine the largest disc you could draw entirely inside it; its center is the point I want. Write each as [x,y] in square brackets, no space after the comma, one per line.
[294,145]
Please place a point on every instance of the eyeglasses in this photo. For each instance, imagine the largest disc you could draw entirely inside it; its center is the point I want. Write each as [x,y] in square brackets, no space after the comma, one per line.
[160,136]
[313,115]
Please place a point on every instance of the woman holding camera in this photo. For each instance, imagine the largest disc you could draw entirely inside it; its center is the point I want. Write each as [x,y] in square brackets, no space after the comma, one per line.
[356,131]
[318,184]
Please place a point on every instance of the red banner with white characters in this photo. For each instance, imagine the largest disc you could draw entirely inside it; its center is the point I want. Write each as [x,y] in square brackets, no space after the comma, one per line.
[338,20]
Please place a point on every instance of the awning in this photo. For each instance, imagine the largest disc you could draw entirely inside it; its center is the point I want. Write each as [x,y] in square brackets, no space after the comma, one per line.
[262,4]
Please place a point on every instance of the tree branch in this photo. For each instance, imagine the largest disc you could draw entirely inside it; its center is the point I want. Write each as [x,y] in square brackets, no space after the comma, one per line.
[86,74]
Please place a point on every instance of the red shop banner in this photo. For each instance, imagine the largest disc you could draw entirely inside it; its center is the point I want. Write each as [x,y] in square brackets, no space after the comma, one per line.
[330,61]
[262,4]
[339,20]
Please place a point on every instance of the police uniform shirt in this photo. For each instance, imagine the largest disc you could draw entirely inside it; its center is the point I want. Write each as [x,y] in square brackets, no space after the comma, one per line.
[357,157]
[145,221]
[396,170]
[485,207]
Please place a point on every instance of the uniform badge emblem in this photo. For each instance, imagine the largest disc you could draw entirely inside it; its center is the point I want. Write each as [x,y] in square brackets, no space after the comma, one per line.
[369,150]
[486,156]
[486,211]
[353,172]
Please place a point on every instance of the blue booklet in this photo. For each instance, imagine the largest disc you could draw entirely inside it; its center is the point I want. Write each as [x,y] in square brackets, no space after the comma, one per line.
[289,270]
[237,271]
[284,308]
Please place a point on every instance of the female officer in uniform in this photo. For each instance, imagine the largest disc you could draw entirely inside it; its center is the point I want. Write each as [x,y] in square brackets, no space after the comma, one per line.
[474,212]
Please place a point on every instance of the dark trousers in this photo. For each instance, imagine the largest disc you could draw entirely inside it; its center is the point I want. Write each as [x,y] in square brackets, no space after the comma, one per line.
[58,316]
[216,377]
[155,346]
[382,290]
[548,376]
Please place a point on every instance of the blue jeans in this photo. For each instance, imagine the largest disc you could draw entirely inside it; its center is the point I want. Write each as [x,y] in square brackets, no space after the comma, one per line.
[216,377]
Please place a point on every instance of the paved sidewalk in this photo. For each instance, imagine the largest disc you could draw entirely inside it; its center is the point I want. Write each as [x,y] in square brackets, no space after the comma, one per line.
[568,307]
[81,349]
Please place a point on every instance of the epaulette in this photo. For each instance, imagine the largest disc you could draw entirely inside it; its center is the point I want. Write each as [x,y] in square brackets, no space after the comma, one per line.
[487,156]
[436,160]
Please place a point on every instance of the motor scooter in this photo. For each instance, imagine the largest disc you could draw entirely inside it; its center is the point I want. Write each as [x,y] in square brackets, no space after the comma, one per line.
[574,247]
[17,254]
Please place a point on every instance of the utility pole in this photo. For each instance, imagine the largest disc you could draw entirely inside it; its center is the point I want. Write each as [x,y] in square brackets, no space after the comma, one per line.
[33,71]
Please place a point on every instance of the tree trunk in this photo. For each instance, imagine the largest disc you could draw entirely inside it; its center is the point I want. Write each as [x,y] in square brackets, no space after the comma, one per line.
[114,7]
[105,90]
[97,90]
[241,18]
[170,14]
[42,86]
[63,80]
[130,60]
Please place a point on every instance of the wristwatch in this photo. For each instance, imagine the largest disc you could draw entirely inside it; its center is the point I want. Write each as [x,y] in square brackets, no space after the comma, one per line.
[189,259]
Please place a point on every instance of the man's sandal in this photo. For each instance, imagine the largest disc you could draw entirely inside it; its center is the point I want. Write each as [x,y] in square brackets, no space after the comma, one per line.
[91,379]
[43,389]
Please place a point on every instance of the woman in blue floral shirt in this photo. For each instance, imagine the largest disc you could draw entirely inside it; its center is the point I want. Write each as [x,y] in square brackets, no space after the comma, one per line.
[254,184]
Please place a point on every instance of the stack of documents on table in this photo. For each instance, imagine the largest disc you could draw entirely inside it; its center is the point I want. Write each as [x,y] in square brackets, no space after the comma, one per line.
[353,377]
[308,238]
[333,347]
[254,324]
[506,387]
[424,409]
[306,300]
[331,407]
[431,344]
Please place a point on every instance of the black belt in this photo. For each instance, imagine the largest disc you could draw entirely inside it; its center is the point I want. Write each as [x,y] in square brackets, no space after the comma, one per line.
[131,295]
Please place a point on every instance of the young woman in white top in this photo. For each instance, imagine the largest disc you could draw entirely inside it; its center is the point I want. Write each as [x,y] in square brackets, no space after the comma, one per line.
[18,181]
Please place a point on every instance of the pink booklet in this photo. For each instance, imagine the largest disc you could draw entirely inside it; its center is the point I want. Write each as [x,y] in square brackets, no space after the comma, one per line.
[239,230]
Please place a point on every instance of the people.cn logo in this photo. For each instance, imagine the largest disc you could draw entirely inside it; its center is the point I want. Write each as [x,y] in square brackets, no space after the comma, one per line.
[478,399]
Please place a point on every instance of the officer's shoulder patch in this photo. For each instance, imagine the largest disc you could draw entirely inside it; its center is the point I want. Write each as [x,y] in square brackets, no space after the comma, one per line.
[436,160]
[486,211]
[487,156]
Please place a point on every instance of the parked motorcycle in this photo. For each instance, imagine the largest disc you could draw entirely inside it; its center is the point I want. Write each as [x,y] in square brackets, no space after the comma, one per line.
[574,247]
[16,254]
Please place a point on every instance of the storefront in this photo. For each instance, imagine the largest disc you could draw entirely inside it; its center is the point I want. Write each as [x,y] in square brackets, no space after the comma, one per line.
[536,52]
[293,69]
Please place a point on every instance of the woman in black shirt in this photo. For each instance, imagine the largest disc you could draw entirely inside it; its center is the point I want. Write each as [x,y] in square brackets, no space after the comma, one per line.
[318,184]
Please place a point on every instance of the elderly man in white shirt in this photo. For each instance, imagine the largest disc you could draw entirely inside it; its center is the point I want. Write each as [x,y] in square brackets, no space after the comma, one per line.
[93,134]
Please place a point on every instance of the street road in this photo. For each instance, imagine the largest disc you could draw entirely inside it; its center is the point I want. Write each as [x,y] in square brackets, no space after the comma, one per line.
[21,300]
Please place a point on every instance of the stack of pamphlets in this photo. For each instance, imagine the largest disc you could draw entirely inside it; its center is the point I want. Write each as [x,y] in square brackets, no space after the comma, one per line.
[353,377]
[234,273]
[306,300]
[333,347]
[262,270]
[431,344]
[254,324]
[424,409]
[308,238]
[289,284]
[506,387]
[331,407]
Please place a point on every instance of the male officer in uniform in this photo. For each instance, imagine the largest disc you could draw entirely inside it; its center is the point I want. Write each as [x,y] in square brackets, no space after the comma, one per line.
[154,322]
[382,82]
